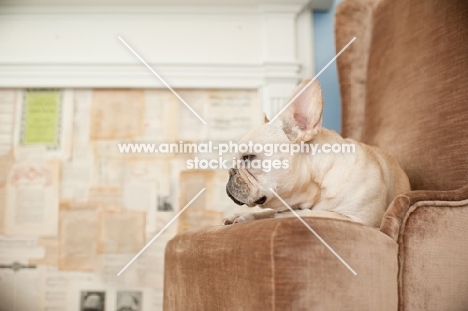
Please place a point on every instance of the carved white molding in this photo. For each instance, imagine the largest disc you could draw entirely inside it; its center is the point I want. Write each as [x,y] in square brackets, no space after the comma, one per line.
[261,44]
[137,75]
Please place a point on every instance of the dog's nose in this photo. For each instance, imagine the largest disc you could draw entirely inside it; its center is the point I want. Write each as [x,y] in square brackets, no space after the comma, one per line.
[232,172]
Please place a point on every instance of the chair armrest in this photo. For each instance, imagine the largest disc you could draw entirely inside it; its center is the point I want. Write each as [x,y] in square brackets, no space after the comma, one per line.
[278,264]
[432,234]
[403,205]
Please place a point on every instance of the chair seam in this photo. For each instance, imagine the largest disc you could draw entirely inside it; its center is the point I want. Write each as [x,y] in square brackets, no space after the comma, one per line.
[272,261]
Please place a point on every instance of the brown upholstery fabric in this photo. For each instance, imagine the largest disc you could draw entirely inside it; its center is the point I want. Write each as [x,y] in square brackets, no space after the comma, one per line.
[417,89]
[398,211]
[431,231]
[278,264]
[433,260]
[353,18]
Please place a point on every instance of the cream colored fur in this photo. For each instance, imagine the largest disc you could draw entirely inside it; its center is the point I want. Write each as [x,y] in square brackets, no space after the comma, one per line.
[359,186]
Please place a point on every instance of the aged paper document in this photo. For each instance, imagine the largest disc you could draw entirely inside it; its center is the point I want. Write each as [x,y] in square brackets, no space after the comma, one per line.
[53,287]
[108,265]
[6,163]
[108,165]
[160,116]
[141,196]
[189,127]
[32,199]
[2,208]
[75,181]
[200,213]
[148,188]
[98,296]
[82,100]
[231,114]
[19,250]
[106,197]
[50,258]
[82,148]
[122,232]
[77,173]
[44,124]
[117,114]
[145,273]
[41,118]
[7,118]
[79,238]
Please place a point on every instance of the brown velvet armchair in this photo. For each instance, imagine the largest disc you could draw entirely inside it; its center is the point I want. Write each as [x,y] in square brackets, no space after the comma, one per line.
[404,87]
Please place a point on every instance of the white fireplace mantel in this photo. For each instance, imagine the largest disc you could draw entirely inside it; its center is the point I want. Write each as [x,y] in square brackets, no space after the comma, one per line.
[261,44]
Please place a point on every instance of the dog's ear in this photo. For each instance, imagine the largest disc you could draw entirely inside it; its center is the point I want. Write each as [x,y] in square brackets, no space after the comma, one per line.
[265,118]
[302,120]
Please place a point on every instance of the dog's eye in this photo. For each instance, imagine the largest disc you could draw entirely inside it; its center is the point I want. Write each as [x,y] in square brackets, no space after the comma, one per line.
[248,157]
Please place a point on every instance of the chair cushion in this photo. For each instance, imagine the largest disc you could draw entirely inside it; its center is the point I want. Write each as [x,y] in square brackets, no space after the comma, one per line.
[278,264]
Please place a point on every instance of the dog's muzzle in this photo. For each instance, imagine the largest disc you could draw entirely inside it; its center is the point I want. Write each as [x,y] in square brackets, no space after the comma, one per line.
[232,172]
[233,198]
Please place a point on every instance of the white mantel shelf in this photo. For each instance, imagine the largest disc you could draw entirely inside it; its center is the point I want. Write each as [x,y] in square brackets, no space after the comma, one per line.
[230,76]
[199,4]
[261,44]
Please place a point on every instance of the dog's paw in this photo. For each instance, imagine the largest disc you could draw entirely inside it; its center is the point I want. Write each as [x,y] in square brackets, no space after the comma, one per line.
[235,220]
[228,221]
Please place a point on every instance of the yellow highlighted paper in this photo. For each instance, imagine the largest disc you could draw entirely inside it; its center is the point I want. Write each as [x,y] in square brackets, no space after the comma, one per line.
[41,118]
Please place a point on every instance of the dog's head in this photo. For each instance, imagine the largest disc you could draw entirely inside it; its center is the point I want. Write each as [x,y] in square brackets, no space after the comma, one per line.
[248,183]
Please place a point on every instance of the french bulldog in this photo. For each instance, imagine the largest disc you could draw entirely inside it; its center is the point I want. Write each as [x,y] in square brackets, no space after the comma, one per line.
[358,186]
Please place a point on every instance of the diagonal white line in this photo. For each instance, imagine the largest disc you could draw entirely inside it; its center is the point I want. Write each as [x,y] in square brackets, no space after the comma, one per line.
[159,233]
[161,79]
[313,79]
[315,233]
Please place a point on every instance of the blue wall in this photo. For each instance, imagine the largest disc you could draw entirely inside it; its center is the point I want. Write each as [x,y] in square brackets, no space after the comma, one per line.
[324,42]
